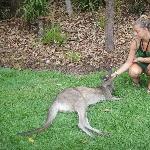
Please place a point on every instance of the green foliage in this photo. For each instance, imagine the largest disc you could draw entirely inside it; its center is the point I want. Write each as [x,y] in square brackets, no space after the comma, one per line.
[88,4]
[4,13]
[25,97]
[32,9]
[136,6]
[54,35]
[102,22]
[118,7]
[4,9]
[73,56]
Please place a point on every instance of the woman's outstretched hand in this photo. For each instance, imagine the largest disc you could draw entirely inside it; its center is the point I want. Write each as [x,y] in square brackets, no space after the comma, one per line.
[138,59]
[114,75]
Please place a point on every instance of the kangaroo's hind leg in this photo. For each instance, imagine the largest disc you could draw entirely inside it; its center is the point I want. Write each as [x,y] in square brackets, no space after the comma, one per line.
[81,110]
[88,126]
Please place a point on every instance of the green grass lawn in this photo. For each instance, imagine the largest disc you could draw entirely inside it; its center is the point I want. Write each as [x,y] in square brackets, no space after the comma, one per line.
[25,97]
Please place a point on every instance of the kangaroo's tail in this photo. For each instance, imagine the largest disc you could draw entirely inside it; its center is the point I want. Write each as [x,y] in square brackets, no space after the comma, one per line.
[53,110]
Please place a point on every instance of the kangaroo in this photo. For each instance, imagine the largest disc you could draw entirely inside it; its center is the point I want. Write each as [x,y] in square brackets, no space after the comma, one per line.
[78,99]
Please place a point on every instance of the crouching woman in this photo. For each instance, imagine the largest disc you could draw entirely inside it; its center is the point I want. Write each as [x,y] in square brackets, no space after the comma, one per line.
[138,60]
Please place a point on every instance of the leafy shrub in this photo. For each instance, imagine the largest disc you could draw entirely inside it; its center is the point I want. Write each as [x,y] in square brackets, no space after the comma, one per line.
[88,4]
[32,9]
[5,9]
[4,13]
[73,56]
[54,35]
[101,22]
[118,7]
[136,6]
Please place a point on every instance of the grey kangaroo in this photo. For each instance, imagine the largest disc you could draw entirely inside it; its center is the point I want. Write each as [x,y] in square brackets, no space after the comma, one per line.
[77,100]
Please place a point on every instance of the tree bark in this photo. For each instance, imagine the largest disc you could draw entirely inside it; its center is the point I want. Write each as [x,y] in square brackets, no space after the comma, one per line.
[15,5]
[109,31]
[148,1]
[69,7]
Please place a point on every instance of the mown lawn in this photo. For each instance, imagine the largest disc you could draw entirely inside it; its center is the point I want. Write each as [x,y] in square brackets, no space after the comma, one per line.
[25,97]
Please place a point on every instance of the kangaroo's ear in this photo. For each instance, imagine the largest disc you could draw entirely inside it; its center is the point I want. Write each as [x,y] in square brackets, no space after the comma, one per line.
[108,76]
[107,79]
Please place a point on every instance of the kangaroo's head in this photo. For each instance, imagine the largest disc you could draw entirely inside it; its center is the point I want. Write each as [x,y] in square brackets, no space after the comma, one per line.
[107,81]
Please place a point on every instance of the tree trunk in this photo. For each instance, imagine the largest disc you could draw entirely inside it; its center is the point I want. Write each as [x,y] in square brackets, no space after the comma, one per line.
[69,7]
[109,31]
[14,5]
[148,1]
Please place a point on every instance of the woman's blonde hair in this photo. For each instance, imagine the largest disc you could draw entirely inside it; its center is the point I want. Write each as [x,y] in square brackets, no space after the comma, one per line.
[143,21]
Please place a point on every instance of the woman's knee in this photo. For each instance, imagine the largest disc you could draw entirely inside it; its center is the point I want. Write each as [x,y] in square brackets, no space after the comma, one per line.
[135,70]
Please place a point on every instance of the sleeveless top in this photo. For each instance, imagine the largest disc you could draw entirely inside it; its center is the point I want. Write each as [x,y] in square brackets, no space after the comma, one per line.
[140,52]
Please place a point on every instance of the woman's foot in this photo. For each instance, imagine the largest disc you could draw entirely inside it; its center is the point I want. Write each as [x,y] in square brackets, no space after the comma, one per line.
[148,89]
[136,82]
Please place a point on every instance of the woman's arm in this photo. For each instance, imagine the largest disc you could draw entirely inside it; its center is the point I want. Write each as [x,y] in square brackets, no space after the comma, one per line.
[142,59]
[128,63]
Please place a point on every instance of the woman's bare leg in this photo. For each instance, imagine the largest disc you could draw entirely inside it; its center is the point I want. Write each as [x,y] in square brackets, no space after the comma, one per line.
[148,73]
[149,86]
[134,72]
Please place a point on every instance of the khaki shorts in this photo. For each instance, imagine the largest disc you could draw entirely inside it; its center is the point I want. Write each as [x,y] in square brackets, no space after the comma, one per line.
[143,66]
